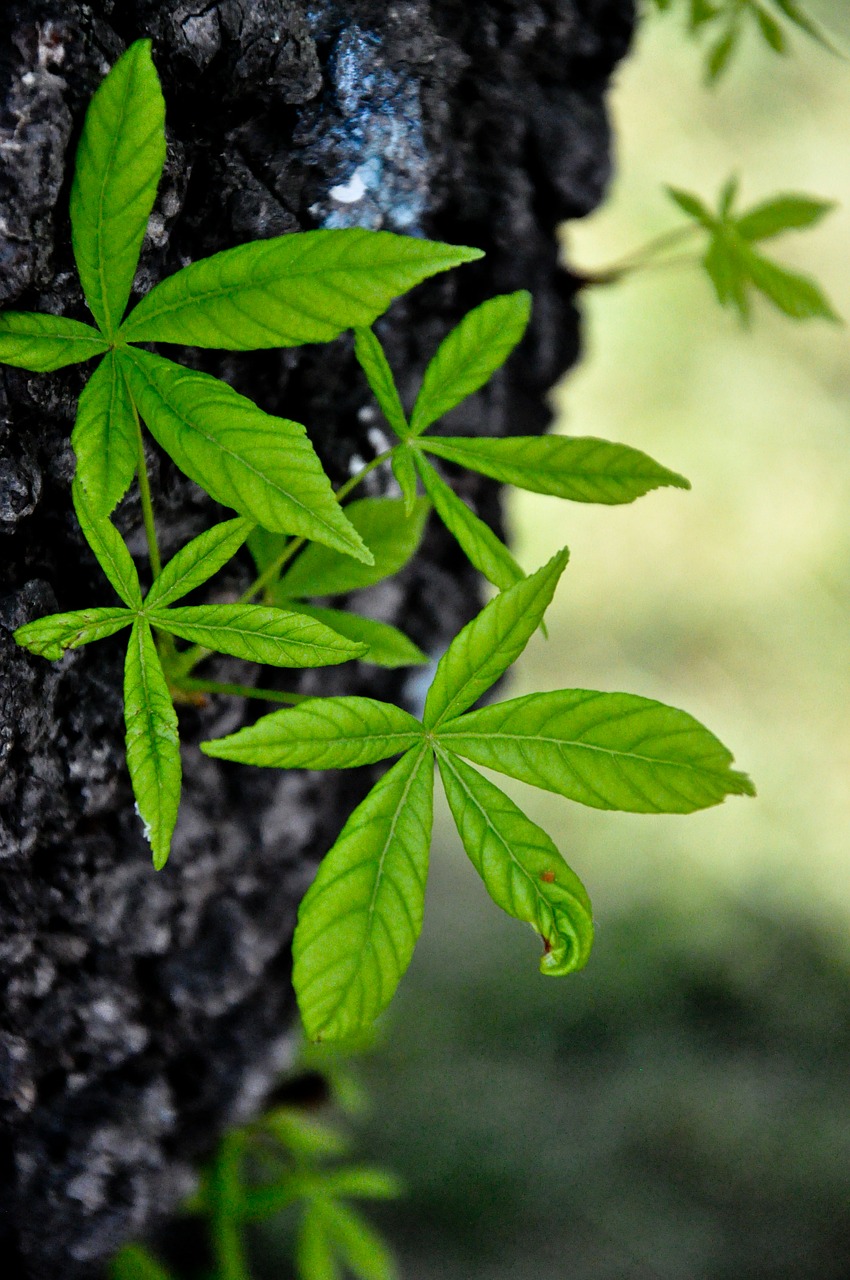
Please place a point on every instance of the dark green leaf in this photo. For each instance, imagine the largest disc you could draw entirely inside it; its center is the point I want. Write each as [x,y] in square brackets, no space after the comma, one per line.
[119,162]
[782,213]
[324,733]
[153,745]
[383,526]
[105,437]
[304,287]
[770,29]
[373,362]
[404,470]
[522,870]
[50,637]
[386,645]
[360,919]
[276,637]
[579,468]
[487,646]
[728,194]
[476,539]
[725,271]
[195,563]
[262,466]
[42,343]
[606,750]
[720,54]
[109,548]
[470,355]
[793,294]
[692,206]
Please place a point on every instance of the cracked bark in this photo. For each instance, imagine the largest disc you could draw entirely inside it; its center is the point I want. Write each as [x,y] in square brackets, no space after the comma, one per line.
[143,1013]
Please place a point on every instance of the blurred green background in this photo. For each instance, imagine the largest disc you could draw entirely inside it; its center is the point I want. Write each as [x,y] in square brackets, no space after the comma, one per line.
[680,1109]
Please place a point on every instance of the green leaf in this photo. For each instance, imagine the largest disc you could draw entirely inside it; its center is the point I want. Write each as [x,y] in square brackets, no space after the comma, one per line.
[153,744]
[725,272]
[119,162]
[304,287]
[795,295]
[39,342]
[303,1135]
[770,29]
[386,645]
[379,375]
[361,1182]
[801,19]
[692,206]
[728,195]
[135,1263]
[404,470]
[49,637]
[579,468]
[470,355]
[264,467]
[362,1248]
[109,548]
[522,870]
[276,637]
[487,646]
[720,54]
[105,437]
[360,919]
[198,561]
[605,750]
[782,213]
[323,733]
[315,1258]
[476,539]
[383,526]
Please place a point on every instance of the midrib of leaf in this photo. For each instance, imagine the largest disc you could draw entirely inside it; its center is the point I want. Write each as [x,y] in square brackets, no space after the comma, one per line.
[217,444]
[150,719]
[159,618]
[446,760]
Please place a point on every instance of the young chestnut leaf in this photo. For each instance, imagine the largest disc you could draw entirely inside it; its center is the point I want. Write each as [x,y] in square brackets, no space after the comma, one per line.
[315,1258]
[522,870]
[198,561]
[322,733]
[307,286]
[386,646]
[360,919]
[391,535]
[490,643]
[362,1249]
[782,213]
[264,467]
[476,539]
[373,362]
[153,744]
[118,167]
[105,437]
[42,343]
[581,469]
[276,637]
[606,750]
[404,470]
[795,295]
[109,548]
[49,637]
[470,355]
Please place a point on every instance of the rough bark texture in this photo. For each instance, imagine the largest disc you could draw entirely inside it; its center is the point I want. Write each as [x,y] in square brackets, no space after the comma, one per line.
[142,1013]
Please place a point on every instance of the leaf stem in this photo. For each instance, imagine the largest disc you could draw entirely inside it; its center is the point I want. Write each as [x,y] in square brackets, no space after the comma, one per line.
[639,259]
[226,1201]
[186,684]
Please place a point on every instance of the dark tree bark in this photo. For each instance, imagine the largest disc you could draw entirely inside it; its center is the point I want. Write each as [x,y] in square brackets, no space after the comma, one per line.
[143,1013]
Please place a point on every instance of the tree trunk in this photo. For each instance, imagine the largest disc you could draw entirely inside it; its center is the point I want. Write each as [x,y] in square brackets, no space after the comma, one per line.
[145,1012]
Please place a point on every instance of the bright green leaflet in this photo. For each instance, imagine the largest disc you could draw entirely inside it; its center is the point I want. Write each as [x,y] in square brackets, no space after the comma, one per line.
[153,745]
[362,915]
[522,870]
[404,470]
[373,362]
[289,290]
[315,1258]
[105,438]
[324,733]
[196,563]
[606,750]
[470,355]
[264,467]
[276,637]
[488,645]
[109,547]
[49,637]
[782,213]
[43,343]
[581,469]
[119,163]
[361,1248]
[476,539]
[386,646]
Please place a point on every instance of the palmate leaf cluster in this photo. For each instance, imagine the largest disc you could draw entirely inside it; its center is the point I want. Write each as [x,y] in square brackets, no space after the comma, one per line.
[292,1166]
[723,23]
[736,267]
[360,920]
